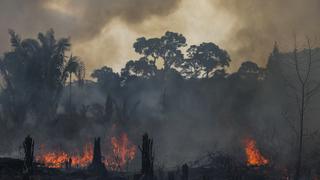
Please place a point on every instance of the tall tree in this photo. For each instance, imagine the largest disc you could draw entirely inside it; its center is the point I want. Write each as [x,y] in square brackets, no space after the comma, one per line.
[140,68]
[250,70]
[304,86]
[76,67]
[205,59]
[168,48]
[107,80]
[34,73]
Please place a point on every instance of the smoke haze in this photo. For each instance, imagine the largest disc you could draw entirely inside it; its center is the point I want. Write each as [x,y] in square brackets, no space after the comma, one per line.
[103,31]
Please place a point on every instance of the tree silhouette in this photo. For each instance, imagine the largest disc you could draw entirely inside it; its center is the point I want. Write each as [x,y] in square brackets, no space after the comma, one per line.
[204,60]
[76,67]
[250,70]
[35,72]
[107,80]
[140,68]
[166,47]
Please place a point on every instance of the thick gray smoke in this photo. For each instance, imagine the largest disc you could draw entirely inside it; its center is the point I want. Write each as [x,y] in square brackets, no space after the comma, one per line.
[260,23]
[207,116]
[82,19]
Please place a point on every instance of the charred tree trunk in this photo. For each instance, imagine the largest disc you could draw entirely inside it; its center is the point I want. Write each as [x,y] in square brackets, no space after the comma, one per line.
[28,146]
[170,175]
[96,152]
[97,165]
[185,172]
[147,157]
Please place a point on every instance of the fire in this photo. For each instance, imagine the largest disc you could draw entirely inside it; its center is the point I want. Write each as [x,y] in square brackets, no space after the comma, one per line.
[254,157]
[84,159]
[59,159]
[53,159]
[122,152]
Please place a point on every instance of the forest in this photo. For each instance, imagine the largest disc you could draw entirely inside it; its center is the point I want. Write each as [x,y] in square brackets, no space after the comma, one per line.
[184,96]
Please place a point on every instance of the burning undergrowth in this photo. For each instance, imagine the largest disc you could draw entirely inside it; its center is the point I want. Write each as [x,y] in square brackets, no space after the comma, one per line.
[254,156]
[117,152]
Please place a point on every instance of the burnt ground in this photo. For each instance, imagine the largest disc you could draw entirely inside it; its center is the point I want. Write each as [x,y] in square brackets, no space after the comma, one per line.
[12,169]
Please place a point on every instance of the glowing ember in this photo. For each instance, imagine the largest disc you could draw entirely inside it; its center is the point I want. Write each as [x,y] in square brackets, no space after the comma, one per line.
[59,159]
[122,152]
[85,158]
[254,157]
[53,159]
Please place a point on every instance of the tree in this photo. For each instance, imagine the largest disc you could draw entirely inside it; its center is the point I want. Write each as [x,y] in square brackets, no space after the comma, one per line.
[139,68]
[28,146]
[34,73]
[204,60]
[170,51]
[74,66]
[166,47]
[303,87]
[250,70]
[274,72]
[149,48]
[107,80]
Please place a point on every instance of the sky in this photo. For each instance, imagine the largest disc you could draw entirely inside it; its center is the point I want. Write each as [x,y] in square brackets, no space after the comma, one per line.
[102,32]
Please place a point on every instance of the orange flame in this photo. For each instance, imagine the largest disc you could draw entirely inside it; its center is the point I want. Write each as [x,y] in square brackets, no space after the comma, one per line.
[122,152]
[85,158]
[53,159]
[58,159]
[254,157]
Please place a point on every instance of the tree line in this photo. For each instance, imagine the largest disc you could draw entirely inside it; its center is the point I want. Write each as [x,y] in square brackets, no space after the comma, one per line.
[170,85]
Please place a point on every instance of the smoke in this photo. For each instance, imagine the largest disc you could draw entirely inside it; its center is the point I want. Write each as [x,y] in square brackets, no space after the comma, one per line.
[82,20]
[260,23]
[103,31]
[204,119]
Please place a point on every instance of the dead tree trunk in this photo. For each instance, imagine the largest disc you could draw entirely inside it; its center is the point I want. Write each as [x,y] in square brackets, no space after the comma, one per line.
[97,165]
[96,152]
[185,172]
[170,175]
[304,87]
[147,157]
[28,146]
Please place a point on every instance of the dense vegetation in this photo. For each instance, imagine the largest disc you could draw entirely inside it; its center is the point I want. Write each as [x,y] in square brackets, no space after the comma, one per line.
[192,96]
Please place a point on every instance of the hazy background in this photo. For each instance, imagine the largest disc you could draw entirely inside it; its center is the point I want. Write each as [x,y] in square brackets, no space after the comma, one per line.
[103,31]
[204,115]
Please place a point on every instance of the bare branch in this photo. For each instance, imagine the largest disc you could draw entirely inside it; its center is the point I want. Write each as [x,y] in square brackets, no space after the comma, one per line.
[313,91]
[309,61]
[295,58]
[290,123]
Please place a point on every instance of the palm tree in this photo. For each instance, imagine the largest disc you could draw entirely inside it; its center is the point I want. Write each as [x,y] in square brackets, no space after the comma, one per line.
[34,73]
[76,67]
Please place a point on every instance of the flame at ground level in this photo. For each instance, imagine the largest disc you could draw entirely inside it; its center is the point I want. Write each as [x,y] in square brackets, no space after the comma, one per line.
[58,159]
[254,157]
[121,153]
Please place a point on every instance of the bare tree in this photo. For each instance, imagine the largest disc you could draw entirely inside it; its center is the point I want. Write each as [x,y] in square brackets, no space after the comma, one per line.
[304,87]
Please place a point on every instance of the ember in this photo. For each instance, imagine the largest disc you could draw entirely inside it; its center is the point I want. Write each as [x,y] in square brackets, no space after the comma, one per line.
[53,159]
[254,157]
[58,159]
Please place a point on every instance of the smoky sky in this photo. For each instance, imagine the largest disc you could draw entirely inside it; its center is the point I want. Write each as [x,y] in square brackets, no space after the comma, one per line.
[103,31]
[260,23]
